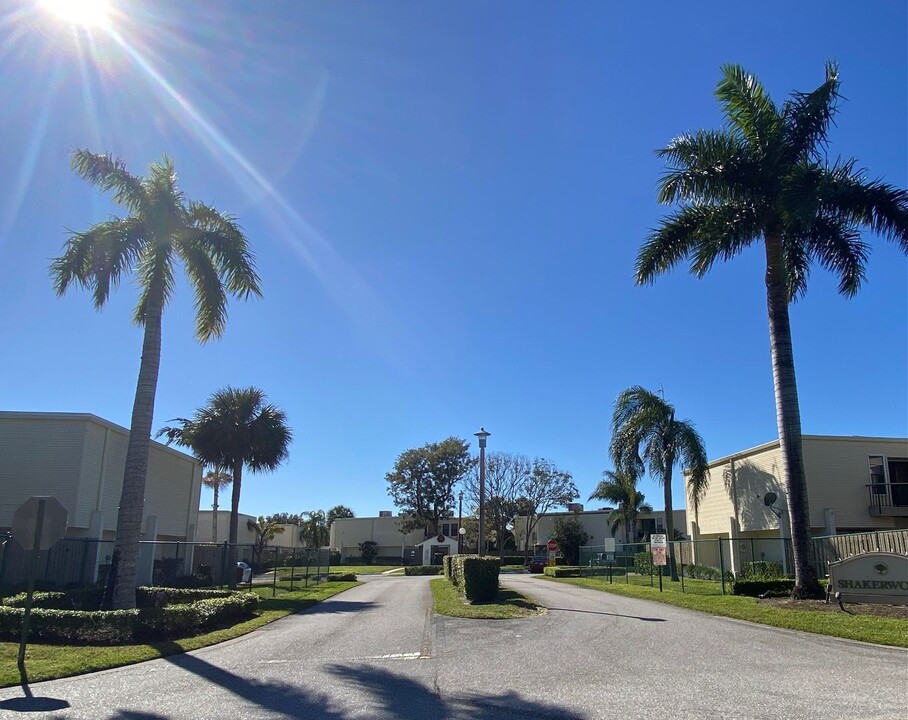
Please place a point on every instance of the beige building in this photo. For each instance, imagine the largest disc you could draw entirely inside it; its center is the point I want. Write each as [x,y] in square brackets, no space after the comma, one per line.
[80,458]
[596,524]
[347,533]
[854,484]
[204,529]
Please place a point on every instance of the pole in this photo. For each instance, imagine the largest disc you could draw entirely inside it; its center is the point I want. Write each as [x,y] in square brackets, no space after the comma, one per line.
[5,544]
[721,564]
[480,541]
[682,568]
[459,522]
[224,554]
[32,567]
[292,568]
[660,578]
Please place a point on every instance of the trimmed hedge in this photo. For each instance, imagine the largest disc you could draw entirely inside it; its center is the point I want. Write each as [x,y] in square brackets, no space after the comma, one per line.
[447,564]
[423,570]
[44,600]
[562,571]
[157,597]
[111,627]
[476,577]
[770,587]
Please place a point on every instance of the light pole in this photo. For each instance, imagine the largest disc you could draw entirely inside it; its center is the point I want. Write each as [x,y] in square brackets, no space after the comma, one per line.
[460,522]
[482,435]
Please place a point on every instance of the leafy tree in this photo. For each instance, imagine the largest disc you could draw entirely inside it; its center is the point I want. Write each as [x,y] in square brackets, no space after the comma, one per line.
[265,530]
[423,479]
[235,429]
[285,518]
[647,436]
[505,476]
[765,179]
[338,511]
[162,228]
[369,550]
[620,487]
[545,488]
[571,536]
[314,530]
[215,479]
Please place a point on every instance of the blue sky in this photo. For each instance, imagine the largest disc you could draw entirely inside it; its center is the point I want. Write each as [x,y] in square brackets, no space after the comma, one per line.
[445,202]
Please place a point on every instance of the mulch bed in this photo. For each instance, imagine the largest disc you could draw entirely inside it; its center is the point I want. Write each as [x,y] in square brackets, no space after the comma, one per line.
[899,612]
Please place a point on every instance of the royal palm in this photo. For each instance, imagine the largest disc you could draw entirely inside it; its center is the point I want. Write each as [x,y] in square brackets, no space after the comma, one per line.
[646,435]
[764,179]
[162,229]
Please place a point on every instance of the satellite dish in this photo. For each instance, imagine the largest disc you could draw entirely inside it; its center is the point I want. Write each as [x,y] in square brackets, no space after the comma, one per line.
[769,499]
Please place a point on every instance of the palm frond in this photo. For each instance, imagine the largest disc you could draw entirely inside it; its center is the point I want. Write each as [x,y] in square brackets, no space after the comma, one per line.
[708,166]
[210,298]
[808,116]
[109,173]
[155,271]
[838,247]
[747,106]
[691,453]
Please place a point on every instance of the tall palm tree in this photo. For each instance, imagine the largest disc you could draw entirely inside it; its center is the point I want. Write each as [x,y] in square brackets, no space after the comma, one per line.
[764,178]
[162,228]
[620,487]
[647,436]
[235,429]
[215,479]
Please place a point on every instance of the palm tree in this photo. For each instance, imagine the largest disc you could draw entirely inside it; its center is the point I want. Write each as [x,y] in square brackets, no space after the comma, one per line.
[161,229]
[620,487]
[764,178]
[265,530]
[235,429]
[215,479]
[647,436]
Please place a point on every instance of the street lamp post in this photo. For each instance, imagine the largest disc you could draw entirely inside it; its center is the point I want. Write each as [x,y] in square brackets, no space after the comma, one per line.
[460,522]
[482,435]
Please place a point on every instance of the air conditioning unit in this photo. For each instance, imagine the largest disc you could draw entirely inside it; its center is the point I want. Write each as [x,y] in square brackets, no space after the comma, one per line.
[575,507]
[384,513]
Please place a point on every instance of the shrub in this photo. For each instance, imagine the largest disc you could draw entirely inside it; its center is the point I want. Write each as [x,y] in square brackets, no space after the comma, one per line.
[423,570]
[163,596]
[562,571]
[643,563]
[447,565]
[706,572]
[342,577]
[334,558]
[369,550]
[770,587]
[45,600]
[762,570]
[477,577]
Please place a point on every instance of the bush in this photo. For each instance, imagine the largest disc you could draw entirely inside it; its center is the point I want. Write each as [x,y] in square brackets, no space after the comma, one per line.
[477,577]
[45,600]
[334,558]
[163,596]
[763,570]
[562,571]
[111,627]
[770,587]
[706,572]
[643,563]
[513,560]
[423,570]
[447,568]
[342,577]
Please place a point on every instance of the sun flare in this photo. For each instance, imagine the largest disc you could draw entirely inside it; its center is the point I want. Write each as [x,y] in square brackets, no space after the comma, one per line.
[88,13]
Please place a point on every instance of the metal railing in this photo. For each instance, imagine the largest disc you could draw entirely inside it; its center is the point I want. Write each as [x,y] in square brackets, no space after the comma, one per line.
[888,499]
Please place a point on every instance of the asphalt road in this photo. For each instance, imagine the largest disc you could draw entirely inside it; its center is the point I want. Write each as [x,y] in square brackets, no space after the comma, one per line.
[378,652]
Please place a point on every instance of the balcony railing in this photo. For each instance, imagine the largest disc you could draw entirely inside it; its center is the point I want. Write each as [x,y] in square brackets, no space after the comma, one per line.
[888,499]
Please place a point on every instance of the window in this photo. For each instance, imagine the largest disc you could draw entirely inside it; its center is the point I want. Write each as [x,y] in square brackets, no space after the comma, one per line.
[877,475]
[898,479]
[449,529]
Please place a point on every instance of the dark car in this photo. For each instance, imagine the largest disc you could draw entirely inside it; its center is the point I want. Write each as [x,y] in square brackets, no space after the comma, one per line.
[537,564]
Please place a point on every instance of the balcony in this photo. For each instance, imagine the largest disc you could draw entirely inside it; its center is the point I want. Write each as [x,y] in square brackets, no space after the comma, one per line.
[888,499]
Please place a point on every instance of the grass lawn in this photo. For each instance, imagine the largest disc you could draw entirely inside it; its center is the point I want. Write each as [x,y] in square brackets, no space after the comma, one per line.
[509,604]
[340,569]
[867,628]
[47,662]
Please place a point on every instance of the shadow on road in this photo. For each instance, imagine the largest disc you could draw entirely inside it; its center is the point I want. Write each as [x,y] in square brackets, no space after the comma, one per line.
[338,606]
[29,703]
[599,612]
[404,698]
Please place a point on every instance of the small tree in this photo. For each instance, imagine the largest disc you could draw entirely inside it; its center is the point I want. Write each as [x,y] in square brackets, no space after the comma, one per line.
[265,529]
[215,479]
[338,511]
[368,550]
[314,531]
[545,488]
[570,535]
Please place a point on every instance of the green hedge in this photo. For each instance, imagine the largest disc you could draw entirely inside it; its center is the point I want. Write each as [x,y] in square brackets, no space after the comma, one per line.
[770,587]
[477,577]
[562,571]
[423,570]
[45,600]
[763,570]
[447,564]
[111,627]
[157,597]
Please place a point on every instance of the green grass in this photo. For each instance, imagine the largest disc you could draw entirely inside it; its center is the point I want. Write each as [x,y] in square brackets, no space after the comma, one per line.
[358,569]
[47,662]
[508,605]
[867,628]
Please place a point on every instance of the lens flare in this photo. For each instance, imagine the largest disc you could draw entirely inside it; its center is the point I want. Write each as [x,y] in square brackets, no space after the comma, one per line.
[88,13]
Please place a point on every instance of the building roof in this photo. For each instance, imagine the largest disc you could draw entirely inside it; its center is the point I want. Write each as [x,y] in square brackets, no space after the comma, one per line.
[775,443]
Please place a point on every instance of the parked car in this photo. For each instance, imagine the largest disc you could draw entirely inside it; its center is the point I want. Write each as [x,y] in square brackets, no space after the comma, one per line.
[243,573]
[537,564]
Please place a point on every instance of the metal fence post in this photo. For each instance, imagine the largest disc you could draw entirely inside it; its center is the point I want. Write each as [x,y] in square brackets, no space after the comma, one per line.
[273,574]
[292,568]
[224,554]
[681,547]
[721,564]
[307,568]
[9,536]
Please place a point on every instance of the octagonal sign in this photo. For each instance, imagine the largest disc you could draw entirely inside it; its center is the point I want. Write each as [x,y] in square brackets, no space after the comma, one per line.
[52,516]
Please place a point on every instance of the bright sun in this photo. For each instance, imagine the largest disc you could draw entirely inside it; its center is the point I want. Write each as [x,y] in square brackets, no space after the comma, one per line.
[89,13]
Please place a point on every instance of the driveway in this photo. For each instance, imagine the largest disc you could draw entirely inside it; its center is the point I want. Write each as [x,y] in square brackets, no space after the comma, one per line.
[378,652]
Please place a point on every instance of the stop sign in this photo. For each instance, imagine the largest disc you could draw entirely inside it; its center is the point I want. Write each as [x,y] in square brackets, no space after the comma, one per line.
[552,545]
[53,522]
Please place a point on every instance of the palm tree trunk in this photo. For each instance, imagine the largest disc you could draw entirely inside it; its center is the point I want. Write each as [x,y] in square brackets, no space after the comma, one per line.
[669,519]
[214,515]
[234,522]
[121,588]
[788,420]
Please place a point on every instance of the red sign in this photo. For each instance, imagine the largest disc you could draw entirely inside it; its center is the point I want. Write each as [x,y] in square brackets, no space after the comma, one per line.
[659,555]
[552,545]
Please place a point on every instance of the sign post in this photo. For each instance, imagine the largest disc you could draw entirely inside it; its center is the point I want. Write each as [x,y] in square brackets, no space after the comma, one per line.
[658,545]
[37,524]
[552,546]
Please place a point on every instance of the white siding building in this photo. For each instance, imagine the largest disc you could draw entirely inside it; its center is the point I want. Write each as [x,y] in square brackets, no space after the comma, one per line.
[80,458]
[347,533]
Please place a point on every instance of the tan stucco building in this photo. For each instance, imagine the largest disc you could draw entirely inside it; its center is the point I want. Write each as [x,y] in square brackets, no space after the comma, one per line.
[80,458]
[347,533]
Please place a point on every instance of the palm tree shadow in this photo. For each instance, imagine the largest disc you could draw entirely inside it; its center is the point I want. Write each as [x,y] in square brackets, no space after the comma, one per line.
[405,698]
[30,703]
[599,612]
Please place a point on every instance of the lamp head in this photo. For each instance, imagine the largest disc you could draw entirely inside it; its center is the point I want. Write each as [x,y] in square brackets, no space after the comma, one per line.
[482,435]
